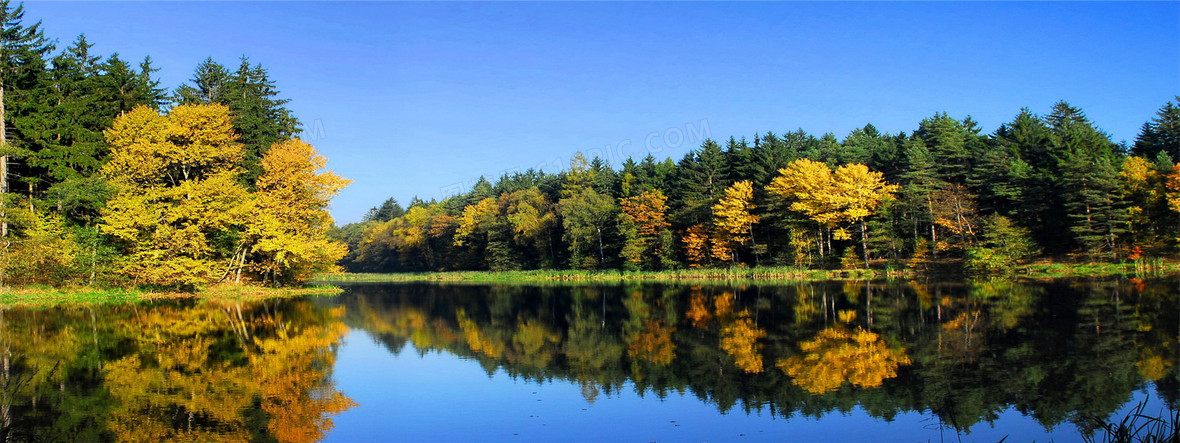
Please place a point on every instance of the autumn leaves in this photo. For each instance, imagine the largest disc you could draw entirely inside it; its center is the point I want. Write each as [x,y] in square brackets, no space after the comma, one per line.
[835,201]
[182,216]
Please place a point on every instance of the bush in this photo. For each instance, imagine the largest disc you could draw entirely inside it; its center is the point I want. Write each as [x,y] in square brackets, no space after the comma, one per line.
[1004,245]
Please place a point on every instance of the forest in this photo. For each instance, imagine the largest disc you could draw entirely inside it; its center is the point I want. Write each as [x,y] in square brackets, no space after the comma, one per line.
[108,179]
[1040,186]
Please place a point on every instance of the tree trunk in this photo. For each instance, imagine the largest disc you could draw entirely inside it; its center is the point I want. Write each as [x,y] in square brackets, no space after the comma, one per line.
[3,166]
[864,241]
[601,250]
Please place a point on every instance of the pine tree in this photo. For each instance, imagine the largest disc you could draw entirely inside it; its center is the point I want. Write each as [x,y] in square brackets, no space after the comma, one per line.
[387,211]
[703,175]
[210,85]
[1089,172]
[22,64]
[947,141]
[1161,134]
[260,117]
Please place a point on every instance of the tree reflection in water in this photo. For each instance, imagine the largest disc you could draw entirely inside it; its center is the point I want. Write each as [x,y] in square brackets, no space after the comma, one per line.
[181,370]
[1058,351]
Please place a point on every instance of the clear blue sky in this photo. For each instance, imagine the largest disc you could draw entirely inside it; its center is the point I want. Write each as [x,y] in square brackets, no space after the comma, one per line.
[422,98]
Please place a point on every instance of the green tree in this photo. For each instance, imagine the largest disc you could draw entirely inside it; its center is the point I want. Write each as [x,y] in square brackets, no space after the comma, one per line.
[1161,134]
[702,178]
[1089,181]
[23,49]
[586,216]
[260,118]
[387,211]
[1004,245]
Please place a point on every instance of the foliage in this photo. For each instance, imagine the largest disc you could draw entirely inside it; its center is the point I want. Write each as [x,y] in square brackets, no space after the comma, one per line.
[289,232]
[1004,246]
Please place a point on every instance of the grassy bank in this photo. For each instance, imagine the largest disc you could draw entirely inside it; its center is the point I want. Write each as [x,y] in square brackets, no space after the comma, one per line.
[683,275]
[36,295]
[760,273]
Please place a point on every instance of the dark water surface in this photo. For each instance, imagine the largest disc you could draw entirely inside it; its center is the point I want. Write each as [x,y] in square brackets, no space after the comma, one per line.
[834,361]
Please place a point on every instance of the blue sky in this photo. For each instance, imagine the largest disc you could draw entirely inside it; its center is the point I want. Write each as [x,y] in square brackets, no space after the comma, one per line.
[422,98]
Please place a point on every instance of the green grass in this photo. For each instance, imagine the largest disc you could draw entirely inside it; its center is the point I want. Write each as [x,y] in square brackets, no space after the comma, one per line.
[1152,268]
[35,295]
[763,273]
[1043,269]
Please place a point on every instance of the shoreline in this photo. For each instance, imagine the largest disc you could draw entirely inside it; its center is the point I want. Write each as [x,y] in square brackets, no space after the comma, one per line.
[1039,270]
[42,295]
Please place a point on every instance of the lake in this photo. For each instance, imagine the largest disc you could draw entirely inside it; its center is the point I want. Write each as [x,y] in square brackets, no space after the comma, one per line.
[849,361]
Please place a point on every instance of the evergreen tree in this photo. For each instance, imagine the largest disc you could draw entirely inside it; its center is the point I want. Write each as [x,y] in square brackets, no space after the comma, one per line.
[388,210]
[259,116]
[22,64]
[1161,134]
[1089,170]
[703,175]
[210,85]
[947,141]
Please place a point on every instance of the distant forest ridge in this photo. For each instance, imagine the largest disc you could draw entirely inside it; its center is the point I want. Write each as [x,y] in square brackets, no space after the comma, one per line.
[1038,185]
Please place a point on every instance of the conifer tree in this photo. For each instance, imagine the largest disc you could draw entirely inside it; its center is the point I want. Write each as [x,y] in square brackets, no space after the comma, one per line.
[1161,134]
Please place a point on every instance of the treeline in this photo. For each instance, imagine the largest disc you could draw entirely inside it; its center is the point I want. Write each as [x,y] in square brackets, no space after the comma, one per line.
[1052,185]
[108,178]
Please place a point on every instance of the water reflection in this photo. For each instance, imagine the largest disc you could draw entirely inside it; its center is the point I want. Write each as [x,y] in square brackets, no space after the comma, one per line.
[184,370]
[1060,352]
[1063,352]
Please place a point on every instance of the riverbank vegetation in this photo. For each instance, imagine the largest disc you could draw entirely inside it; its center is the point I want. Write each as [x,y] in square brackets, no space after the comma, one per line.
[760,274]
[1040,187]
[42,295]
[109,181]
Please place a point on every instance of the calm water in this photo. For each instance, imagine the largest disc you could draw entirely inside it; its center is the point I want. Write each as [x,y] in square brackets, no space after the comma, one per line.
[973,361]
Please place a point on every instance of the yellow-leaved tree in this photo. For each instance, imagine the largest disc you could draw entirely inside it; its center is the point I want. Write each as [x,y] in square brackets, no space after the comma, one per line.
[835,200]
[733,224]
[289,229]
[644,225]
[182,217]
[177,195]
[1172,190]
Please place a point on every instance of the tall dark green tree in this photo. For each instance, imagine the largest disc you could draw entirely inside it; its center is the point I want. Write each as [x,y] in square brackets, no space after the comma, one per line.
[259,116]
[23,49]
[209,85]
[703,176]
[124,88]
[948,141]
[387,211]
[1161,134]
[1089,170]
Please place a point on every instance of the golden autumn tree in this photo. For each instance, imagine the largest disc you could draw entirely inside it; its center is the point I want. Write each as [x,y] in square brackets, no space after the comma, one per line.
[1144,190]
[953,208]
[835,200]
[1172,186]
[696,245]
[644,225]
[291,222]
[177,194]
[733,224]
[476,220]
